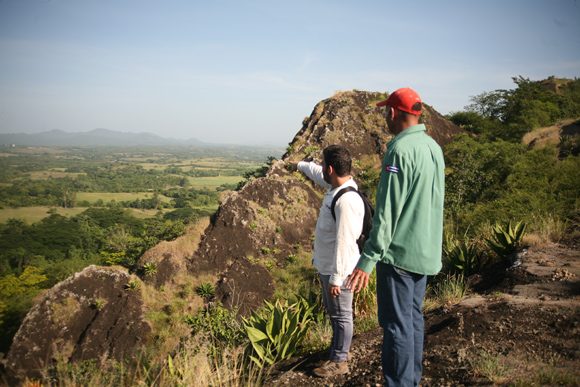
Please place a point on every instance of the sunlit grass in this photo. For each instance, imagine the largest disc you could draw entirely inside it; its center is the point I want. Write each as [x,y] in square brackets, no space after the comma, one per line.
[35,214]
[92,197]
[212,182]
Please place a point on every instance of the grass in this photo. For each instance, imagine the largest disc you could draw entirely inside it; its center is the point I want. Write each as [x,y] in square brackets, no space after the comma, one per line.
[523,370]
[491,367]
[544,230]
[35,214]
[193,364]
[447,291]
[318,337]
[92,197]
[212,182]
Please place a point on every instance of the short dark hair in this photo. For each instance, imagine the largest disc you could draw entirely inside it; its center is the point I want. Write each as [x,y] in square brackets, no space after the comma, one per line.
[339,158]
[416,107]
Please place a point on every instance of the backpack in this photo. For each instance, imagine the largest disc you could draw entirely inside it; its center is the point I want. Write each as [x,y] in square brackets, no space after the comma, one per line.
[367,220]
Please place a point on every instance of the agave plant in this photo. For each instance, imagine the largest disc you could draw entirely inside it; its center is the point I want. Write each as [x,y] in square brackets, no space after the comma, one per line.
[465,258]
[461,257]
[506,240]
[276,331]
[150,268]
[206,291]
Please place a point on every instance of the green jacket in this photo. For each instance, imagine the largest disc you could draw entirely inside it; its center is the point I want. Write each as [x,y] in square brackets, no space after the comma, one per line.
[408,223]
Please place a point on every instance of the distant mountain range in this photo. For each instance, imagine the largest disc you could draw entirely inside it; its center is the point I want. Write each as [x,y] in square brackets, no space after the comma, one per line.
[95,137]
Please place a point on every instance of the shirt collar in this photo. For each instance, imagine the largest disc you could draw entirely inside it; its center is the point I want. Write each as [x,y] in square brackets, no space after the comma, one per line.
[349,183]
[410,130]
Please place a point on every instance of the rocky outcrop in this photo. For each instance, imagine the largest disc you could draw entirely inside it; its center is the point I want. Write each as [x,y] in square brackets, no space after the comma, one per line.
[95,314]
[99,312]
[267,219]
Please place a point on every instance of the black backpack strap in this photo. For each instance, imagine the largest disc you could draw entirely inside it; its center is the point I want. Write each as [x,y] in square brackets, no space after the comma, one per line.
[337,196]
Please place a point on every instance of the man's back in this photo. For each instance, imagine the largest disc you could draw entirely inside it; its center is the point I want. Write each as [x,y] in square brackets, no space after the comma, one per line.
[409,209]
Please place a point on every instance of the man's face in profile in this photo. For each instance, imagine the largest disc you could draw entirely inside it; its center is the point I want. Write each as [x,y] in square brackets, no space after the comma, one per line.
[325,174]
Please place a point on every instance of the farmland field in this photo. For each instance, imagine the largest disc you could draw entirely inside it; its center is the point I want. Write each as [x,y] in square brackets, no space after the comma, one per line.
[212,182]
[92,197]
[34,214]
[67,181]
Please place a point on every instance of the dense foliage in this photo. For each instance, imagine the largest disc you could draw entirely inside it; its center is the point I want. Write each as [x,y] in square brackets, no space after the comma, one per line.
[35,257]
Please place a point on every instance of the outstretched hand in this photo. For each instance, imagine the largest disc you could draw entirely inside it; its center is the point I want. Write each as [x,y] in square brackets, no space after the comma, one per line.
[358,280]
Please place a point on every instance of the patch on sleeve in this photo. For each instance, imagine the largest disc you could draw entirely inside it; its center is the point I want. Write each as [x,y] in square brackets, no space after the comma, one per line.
[392,169]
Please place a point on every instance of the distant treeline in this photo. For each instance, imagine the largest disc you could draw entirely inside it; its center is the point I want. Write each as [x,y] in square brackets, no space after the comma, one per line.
[509,114]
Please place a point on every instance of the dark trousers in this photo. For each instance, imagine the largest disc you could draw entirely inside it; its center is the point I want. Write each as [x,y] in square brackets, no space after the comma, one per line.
[400,300]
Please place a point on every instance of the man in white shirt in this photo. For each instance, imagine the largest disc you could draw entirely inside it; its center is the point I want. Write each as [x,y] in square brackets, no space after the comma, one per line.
[336,251]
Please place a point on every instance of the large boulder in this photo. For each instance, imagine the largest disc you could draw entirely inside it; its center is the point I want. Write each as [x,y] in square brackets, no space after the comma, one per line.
[95,314]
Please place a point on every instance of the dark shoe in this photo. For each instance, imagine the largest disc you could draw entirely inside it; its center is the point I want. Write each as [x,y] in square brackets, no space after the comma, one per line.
[331,368]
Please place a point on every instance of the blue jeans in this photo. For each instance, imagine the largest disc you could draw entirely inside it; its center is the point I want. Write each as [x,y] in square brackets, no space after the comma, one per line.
[400,301]
[339,310]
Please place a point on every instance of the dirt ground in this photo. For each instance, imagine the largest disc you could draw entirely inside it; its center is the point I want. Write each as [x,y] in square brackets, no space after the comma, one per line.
[521,327]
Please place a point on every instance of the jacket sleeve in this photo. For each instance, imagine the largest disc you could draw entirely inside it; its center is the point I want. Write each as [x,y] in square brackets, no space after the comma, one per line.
[314,172]
[391,195]
[349,211]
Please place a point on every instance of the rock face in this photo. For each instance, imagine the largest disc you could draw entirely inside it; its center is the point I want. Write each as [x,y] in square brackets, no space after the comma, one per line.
[92,315]
[270,216]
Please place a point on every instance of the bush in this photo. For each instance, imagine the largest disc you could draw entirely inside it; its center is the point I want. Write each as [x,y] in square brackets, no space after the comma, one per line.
[219,323]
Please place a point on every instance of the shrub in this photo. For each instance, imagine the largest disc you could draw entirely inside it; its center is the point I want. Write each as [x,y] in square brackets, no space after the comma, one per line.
[219,323]
[276,331]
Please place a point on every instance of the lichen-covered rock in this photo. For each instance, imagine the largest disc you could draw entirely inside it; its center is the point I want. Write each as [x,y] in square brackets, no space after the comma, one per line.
[257,285]
[95,314]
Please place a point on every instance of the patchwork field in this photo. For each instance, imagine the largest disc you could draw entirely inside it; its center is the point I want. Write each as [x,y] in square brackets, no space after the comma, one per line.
[212,182]
[36,180]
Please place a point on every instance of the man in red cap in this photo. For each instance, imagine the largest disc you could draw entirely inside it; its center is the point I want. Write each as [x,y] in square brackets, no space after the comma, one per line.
[406,238]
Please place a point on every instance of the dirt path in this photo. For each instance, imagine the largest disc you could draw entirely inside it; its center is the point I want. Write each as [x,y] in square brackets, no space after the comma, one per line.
[524,329]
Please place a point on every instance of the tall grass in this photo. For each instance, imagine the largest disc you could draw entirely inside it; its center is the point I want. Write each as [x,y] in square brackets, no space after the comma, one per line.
[447,291]
[194,364]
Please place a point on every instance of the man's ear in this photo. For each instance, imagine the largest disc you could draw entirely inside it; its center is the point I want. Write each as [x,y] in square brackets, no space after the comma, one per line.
[330,169]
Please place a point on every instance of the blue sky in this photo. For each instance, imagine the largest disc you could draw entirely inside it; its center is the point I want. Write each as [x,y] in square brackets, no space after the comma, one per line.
[248,72]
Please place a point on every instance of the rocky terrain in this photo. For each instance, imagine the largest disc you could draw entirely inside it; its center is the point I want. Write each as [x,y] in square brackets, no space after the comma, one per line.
[522,325]
[99,312]
[272,216]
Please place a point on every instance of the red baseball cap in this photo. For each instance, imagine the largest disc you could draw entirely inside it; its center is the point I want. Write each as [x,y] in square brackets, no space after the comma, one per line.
[404,99]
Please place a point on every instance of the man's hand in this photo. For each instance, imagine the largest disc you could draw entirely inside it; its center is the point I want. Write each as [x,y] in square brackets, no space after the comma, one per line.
[357,281]
[291,167]
[334,290]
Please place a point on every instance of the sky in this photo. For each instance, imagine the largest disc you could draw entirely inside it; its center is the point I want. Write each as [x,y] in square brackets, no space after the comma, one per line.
[248,72]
